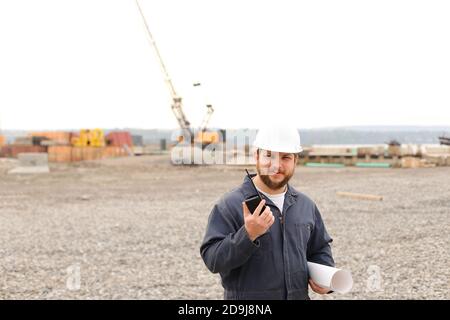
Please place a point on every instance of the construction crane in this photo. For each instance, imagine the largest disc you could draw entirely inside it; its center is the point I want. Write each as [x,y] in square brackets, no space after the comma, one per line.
[204,137]
[209,112]
[207,117]
[177,104]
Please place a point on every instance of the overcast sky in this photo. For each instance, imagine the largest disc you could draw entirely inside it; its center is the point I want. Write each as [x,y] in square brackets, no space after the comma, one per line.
[88,63]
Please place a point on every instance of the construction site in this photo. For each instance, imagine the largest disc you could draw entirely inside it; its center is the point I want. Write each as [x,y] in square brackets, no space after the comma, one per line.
[133,226]
[97,213]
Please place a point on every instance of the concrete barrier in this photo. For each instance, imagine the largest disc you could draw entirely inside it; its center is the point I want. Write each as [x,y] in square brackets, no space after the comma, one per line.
[31,163]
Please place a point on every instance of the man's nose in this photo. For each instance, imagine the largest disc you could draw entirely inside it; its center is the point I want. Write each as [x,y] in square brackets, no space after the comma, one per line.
[275,165]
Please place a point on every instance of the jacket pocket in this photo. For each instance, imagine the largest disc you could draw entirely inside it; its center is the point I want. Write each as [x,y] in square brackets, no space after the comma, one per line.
[265,245]
[303,234]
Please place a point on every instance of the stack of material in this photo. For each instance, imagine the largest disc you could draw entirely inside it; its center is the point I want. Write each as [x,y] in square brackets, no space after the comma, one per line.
[375,150]
[404,150]
[436,154]
[20,145]
[12,151]
[88,145]
[60,153]
[332,150]
[434,149]
[74,154]
[438,159]
[86,153]
[394,151]
[23,141]
[409,150]
[414,162]
[52,137]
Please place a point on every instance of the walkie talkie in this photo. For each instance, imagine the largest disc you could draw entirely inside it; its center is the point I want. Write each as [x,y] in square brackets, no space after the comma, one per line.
[253,202]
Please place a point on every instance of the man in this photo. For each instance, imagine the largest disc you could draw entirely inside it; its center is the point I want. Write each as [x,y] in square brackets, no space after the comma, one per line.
[263,255]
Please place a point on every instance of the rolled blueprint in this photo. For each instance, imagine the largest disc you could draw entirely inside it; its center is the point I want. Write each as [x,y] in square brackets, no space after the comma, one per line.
[335,279]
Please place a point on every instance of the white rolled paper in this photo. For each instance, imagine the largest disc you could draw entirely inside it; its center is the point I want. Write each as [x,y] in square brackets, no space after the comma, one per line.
[335,279]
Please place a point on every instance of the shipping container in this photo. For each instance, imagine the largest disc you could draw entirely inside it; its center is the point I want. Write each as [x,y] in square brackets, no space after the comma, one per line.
[119,139]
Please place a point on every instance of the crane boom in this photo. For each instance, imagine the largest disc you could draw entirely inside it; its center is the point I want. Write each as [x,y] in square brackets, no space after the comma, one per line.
[177,104]
[207,117]
[209,111]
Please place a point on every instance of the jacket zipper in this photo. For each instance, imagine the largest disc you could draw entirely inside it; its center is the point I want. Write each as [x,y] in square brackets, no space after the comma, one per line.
[284,261]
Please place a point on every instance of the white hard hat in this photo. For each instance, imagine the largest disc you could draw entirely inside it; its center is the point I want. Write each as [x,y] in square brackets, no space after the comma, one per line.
[278,139]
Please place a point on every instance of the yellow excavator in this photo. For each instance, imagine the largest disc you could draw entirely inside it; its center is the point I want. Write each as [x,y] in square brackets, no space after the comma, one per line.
[89,138]
[204,137]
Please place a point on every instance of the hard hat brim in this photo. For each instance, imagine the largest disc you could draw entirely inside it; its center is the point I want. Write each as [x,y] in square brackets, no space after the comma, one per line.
[281,149]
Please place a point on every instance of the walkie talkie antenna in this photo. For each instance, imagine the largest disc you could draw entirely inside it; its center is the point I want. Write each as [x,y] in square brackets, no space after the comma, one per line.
[253,184]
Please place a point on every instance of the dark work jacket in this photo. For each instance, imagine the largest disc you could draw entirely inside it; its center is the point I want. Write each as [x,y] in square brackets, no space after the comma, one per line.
[274,266]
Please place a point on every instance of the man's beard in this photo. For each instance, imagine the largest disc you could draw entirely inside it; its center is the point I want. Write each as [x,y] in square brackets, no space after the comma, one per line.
[271,184]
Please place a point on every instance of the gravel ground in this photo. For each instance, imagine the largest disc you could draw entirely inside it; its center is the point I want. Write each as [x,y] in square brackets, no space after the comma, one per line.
[131,229]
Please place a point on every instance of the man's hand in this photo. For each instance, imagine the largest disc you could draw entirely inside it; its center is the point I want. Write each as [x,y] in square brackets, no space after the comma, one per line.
[317,289]
[256,224]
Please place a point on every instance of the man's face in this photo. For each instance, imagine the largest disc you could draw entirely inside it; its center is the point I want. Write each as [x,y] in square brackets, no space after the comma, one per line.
[275,168]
